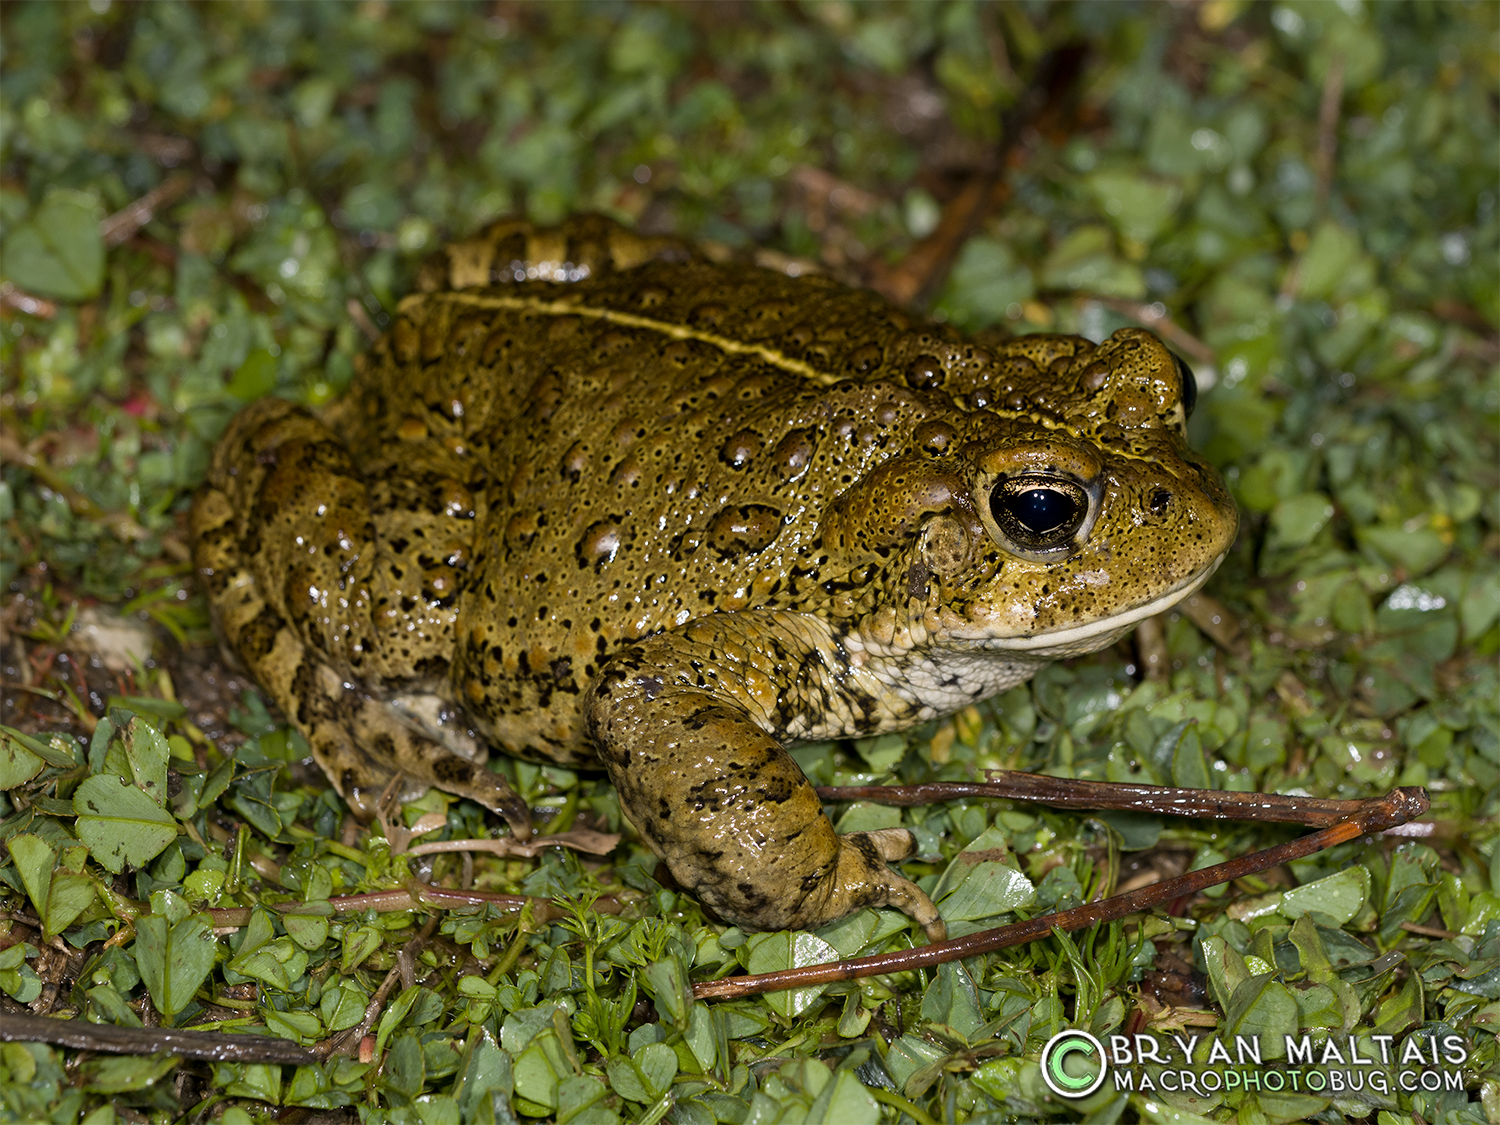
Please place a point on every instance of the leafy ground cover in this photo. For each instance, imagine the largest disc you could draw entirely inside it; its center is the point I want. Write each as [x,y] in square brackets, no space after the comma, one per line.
[204,204]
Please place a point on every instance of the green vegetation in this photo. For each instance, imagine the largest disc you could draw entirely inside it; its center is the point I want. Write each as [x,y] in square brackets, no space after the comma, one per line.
[1306,189]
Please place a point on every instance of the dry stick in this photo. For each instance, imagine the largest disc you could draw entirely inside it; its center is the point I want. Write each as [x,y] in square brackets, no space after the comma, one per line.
[1396,807]
[17,1028]
[1068,793]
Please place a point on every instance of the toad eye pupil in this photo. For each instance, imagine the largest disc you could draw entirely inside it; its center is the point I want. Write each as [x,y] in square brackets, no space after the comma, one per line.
[1189,386]
[1038,513]
[1041,509]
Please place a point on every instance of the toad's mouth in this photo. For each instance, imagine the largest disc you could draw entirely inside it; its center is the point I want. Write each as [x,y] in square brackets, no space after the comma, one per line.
[1092,635]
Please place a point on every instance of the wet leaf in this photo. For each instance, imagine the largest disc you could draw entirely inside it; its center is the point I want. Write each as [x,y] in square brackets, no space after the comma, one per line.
[644,1076]
[58,252]
[953,1001]
[120,823]
[121,1075]
[174,960]
[984,890]
[844,1101]
[1261,1007]
[1339,897]
[18,763]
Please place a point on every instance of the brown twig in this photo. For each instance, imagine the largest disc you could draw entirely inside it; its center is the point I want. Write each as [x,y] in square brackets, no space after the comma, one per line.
[1151,649]
[13,298]
[1428,931]
[362,319]
[1156,318]
[1328,125]
[919,274]
[1215,621]
[1396,807]
[1069,793]
[122,225]
[211,1045]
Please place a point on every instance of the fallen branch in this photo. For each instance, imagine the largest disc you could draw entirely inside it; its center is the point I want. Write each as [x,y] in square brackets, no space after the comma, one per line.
[211,1045]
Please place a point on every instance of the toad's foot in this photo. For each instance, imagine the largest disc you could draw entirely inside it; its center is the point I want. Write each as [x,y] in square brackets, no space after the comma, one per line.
[720,800]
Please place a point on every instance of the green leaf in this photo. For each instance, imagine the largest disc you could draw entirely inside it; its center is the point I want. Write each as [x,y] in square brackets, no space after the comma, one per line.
[908,1055]
[34,860]
[58,253]
[1296,521]
[1319,968]
[986,280]
[705,1036]
[484,1071]
[1226,968]
[1404,1010]
[538,1071]
[669,988]
[121,1075]
[844,1101]
[392,1017]
[1329,257]
[59,896]
[1416,551]
[120,824]
[216,783]
[18,764]
[1085,261]
[1339,896]
[359,943]
[1263,1008]
[260,1081]
[307,930]
[1317,1006]
[56,749]
[984,890]
[1479,607]
[1189,769]
[299,1027]
[952,1001]
[311,1087]
[255,378]
[646,1076]
[174,960]
[1139,208]
[343,1005]
[17,978]
[576,1093]
[146,752]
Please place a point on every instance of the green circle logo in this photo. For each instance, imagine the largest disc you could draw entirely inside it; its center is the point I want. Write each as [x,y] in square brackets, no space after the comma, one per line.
[1073,1064]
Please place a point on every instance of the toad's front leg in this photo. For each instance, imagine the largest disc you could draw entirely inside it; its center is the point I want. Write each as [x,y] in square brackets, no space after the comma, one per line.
[687,722]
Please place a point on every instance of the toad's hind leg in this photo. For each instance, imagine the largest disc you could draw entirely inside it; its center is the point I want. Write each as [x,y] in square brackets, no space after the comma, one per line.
[298,584]
[726,807]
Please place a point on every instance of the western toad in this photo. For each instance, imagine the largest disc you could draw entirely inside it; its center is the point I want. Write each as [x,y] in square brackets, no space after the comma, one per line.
[596,498]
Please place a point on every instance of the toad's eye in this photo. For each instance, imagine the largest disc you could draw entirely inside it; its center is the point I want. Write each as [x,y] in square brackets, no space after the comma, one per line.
[1039,513]
[1189,386]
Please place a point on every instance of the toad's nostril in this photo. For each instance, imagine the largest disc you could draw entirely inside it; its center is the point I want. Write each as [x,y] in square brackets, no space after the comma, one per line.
[1160,499]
